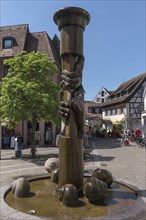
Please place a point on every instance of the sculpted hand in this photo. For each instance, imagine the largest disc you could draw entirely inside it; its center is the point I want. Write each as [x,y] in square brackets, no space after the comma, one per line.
[64,109]
[70,80]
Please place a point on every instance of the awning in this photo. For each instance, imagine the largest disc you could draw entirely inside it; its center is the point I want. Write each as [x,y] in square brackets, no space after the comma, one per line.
[116,122]
[3,124]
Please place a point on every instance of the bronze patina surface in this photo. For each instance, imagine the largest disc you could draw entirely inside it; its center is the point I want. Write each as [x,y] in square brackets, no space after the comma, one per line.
[71,22]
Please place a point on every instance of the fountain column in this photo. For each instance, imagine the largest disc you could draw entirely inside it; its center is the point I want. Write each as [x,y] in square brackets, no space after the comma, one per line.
[71,23]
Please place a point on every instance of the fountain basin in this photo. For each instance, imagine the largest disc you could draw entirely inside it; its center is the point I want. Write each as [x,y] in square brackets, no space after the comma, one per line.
[122,202]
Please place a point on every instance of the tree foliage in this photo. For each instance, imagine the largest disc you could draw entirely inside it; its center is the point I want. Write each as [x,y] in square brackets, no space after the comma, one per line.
[130,122]
[28,91]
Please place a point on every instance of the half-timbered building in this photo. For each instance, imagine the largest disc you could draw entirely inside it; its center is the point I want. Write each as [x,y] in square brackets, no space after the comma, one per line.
[126,101]
[143,114]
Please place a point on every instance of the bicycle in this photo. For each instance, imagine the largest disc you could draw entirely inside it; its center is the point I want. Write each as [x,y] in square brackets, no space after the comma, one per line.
[125,140]
[141,142]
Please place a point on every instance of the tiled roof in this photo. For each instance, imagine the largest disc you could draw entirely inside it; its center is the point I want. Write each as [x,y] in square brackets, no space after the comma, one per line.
[24,40]
[107,90]
[125,91]
[91,102]
[18,33]
[41,42]
[110,91]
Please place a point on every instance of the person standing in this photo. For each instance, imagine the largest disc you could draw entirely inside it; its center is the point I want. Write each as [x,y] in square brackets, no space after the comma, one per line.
[49,136]
[37,137]
[137,133]
[89,136]
[12,142]
[19,144]
[6,140]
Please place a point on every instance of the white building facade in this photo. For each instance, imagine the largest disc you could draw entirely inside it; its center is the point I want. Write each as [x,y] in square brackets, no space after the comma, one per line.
[127,102]
[102,96]
[143,115]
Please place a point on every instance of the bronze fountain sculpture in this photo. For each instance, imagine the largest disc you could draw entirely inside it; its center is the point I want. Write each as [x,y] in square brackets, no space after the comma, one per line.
[71,23]
[96,192]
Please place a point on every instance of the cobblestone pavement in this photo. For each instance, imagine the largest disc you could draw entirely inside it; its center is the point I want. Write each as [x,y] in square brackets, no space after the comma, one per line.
[126,163]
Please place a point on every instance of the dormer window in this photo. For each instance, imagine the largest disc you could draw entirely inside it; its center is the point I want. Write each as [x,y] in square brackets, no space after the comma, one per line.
[7,43]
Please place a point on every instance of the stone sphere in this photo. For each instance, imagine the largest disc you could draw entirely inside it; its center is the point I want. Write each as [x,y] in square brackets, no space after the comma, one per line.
[55,175]
[68,195]
[21,187]
[95,190]
[51,164]
[104,175]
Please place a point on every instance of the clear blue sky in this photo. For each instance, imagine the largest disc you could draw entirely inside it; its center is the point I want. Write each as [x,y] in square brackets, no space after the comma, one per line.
[114,40]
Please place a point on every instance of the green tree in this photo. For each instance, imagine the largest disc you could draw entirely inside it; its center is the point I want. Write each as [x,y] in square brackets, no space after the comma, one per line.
[28,91]
[130,122]
[107,123]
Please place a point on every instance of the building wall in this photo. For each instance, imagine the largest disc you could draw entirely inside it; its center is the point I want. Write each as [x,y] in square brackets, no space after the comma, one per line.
[143,115]
[114,113]
[102,96]
[132,108]
[24,40]
[89,105]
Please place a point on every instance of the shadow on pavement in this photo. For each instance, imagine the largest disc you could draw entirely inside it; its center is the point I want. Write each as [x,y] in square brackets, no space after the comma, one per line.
[107,143]
[101,158]
[96,158]
[39,160]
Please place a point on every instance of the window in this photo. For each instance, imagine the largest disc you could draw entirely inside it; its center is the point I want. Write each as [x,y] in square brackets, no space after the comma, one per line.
[102,93]
[97,110]
[102,100]
[90,110]
[7,43]
[109,112]
[114,111]
[98,100]
[119,111]
[5,71]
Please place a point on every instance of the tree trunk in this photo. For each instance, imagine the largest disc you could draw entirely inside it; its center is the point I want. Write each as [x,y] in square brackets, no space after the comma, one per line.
[33,144]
